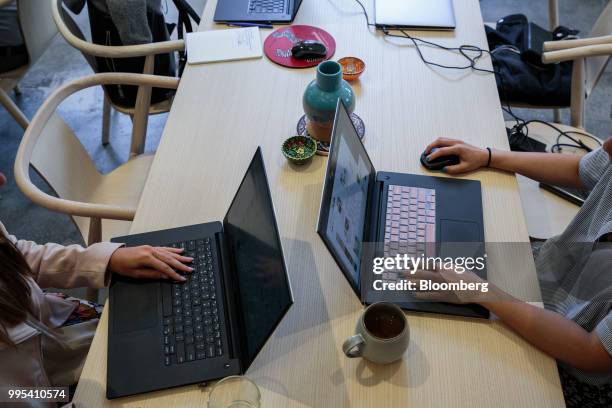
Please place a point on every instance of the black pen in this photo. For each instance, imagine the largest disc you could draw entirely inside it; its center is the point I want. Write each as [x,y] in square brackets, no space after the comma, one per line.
[250,25]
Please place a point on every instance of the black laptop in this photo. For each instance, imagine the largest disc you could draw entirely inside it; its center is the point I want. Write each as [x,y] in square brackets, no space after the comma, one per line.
[256,11]
[366,214]
[164,334]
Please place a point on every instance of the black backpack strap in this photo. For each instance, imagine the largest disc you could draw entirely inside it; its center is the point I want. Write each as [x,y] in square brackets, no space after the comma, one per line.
[185,14]
[183,6]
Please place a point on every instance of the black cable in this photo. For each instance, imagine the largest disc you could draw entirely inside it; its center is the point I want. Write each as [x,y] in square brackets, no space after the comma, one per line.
[521,126]
[365,13]
[557,147]
[463,50]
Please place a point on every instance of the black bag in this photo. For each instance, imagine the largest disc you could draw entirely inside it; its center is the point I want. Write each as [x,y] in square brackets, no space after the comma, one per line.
[516,47]
[104,32]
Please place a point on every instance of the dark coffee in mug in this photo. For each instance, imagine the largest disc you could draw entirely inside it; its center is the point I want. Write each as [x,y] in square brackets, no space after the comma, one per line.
[383,321]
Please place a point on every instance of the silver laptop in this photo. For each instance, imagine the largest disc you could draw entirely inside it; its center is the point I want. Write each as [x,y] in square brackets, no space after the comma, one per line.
[419,14]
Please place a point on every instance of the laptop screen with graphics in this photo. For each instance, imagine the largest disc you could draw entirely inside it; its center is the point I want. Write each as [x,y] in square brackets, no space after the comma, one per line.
[349,178]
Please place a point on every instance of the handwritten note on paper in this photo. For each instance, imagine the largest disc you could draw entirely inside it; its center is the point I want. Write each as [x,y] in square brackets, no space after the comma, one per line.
[223,45]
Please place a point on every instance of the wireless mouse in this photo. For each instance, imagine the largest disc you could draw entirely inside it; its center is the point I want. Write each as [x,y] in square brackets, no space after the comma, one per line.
[440,162]
[308,49]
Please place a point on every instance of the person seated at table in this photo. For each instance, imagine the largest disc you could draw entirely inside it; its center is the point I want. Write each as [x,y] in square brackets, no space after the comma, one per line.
[27,267]
[574,269]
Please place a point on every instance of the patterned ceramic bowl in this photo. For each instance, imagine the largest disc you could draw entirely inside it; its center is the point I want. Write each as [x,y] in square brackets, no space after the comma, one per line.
[352,68]
[299,149]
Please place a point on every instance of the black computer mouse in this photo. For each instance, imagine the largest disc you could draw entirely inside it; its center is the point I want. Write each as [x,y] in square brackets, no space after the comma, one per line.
[308,49]
[440,162]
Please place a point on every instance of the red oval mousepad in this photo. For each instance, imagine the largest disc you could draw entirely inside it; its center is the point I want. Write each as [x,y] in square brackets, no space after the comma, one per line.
[279,43]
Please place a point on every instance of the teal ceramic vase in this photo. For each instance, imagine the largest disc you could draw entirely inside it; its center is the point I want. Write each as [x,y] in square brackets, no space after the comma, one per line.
[321,97]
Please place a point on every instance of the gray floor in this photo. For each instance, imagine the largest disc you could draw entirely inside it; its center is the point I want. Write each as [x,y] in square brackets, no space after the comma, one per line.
[61,63]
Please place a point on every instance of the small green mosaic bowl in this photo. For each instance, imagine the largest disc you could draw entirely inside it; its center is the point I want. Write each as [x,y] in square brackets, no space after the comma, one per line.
[299,149]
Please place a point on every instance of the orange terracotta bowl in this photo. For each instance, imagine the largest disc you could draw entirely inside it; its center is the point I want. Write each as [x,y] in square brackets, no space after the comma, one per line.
[352,68]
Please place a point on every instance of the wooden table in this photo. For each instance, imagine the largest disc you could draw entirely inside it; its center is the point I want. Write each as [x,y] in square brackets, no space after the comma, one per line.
[222,112]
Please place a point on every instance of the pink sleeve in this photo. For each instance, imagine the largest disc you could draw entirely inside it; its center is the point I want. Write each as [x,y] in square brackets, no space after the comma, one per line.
[70,266]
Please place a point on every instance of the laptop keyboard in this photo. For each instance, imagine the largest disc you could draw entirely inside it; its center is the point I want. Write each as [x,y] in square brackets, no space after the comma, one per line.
[410,223]
[266,6]
[192,328]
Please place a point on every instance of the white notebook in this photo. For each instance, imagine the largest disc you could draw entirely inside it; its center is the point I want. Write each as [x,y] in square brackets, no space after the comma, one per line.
[223,45]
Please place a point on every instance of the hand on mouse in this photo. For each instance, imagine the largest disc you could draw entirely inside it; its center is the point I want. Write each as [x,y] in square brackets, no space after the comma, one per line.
[471,157]
[146,262]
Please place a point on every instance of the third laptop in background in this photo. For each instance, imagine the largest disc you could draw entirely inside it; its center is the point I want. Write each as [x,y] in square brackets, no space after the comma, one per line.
[256,11]
[415,14]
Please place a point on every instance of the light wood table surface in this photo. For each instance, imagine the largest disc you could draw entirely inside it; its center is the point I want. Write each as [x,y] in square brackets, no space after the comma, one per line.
[223,111]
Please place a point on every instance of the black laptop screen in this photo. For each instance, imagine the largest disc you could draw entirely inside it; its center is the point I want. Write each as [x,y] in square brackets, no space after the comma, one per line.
[252,235]
[349,177]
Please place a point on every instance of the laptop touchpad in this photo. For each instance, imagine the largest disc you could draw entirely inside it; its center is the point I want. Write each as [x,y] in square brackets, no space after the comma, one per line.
[458,231]
[135,306]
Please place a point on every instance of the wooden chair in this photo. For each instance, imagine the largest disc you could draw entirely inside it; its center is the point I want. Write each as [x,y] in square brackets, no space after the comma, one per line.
[553,14]
[584,78]
[547,214]
[100,205]
[143,108]
[38,31]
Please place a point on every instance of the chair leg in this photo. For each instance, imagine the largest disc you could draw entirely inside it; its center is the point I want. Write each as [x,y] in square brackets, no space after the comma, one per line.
[553,14]
[557,115]
[13,109]
[577,96]
[141,111]
[139,136]
[106,116]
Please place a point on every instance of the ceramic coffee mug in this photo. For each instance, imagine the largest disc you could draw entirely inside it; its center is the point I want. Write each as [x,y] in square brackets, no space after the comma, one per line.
[382,334]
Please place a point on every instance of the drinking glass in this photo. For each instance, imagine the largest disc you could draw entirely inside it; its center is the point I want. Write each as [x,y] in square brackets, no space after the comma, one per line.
[234,392]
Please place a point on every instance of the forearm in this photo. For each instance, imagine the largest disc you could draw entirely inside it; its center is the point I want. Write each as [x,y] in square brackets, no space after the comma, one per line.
[550,332]
[549,168]
[70,266]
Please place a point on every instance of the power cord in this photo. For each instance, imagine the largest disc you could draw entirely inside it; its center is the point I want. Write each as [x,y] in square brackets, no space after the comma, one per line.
[463,50]
[521,126]
[523,129]
[365,13]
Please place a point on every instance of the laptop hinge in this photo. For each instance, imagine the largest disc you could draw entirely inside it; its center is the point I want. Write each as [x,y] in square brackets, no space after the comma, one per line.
[232,314]
[231,291]
[370,234]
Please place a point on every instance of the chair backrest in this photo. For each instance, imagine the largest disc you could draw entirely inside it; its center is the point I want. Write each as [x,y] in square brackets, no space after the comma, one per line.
[126,51]
[595,66]
[62,161]
[53,150]
[37,26]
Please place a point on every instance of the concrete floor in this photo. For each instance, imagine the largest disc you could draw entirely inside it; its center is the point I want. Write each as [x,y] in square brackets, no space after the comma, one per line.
[82,112]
